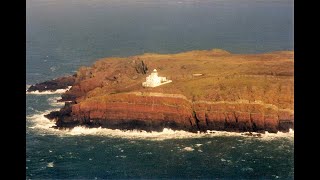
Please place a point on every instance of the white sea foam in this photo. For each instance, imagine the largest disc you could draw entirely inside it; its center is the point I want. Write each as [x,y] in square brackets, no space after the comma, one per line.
[50,164]
[270,136]
[58,91]
[188,149]
[122,156]
[53,68]
[53,101]
[248,169]
[132,134]
[27,86]
[43,124]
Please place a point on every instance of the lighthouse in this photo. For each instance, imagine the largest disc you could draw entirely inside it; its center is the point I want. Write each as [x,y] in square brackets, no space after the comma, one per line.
[153,80]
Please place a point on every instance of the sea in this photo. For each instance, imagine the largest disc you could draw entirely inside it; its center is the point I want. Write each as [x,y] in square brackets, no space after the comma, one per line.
[62,36]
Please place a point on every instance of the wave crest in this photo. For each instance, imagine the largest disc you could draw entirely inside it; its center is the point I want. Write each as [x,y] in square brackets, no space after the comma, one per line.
[58,91]
[53,101]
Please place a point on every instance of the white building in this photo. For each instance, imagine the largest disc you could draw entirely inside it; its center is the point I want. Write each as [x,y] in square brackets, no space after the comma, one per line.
[153,80]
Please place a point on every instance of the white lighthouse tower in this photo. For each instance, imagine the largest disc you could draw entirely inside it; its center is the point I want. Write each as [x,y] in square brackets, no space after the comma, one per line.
[153,80]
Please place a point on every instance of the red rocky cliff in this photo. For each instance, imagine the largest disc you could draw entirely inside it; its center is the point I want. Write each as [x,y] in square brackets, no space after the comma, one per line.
[231,92]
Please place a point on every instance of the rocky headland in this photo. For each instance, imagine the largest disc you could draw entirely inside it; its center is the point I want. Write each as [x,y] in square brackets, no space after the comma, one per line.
[210,90]
[53,85]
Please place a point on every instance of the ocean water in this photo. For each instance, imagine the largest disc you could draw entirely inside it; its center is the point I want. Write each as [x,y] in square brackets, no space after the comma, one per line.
[64,35]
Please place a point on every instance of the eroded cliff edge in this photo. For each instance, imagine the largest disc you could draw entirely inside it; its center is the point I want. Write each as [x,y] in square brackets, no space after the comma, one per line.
[211,90]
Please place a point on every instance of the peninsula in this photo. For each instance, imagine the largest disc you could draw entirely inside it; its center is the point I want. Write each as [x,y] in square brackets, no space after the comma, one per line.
[208,90]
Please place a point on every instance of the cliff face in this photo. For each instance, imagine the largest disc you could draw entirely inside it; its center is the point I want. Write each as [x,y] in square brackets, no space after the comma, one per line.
[234,92]
[153,112]
[130,111]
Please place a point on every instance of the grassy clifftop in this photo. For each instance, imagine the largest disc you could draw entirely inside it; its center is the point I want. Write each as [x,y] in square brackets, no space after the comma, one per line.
[210,75]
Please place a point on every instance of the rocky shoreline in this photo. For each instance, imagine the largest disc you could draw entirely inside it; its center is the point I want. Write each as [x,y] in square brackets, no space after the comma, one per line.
[53,85]
[109,94]
[151,113]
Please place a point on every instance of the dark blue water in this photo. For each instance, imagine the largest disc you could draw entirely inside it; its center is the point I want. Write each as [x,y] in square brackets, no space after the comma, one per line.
[64,35]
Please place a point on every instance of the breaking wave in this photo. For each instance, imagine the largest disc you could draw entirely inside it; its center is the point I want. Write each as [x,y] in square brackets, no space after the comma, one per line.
[27,86]
[44,125]
[40,122]
[53,101]
[58,91]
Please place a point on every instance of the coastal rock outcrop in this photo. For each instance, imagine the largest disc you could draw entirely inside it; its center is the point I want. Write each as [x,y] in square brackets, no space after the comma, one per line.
[155,112]
[53,85]
[235,92]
